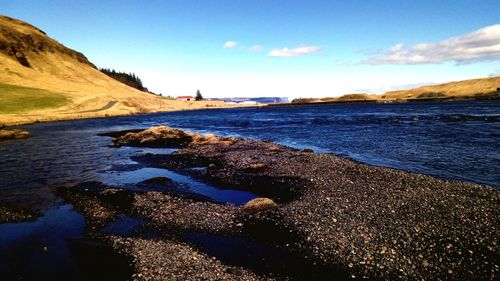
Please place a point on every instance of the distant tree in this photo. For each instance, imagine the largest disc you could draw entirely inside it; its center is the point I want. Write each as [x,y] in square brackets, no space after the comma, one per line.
[127,78]
[198,95]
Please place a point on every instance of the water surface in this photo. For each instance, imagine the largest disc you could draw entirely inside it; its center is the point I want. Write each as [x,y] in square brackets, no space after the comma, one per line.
[452,140]
[455,140]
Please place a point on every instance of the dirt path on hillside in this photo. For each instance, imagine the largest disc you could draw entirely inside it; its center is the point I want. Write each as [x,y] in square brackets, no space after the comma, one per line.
[105,107]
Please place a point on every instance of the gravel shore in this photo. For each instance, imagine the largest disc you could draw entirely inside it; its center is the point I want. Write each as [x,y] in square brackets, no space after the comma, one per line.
[369,222]
[168,212]
[10,214]
[173,260]
[376,222]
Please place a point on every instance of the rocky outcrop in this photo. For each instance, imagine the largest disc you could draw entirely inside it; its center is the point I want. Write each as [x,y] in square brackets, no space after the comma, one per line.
[160,136]
[13,134]
[164,136]
[22,45]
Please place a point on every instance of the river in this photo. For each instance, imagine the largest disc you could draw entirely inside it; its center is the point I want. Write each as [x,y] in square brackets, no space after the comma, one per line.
[451,140]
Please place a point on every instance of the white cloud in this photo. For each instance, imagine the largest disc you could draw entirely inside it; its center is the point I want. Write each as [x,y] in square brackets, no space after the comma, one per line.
[230,44]
[480,45]
[256,48]
[299,51]
[396,48]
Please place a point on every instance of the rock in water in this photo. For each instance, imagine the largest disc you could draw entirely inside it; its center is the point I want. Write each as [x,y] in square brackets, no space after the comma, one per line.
[164,136]
[13,134]
[156,137]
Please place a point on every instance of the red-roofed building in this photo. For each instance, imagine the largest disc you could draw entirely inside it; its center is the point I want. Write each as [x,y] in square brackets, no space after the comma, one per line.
[187,98]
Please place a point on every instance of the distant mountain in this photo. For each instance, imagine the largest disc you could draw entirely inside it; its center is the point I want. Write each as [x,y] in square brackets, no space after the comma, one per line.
[42,80]
[262,100]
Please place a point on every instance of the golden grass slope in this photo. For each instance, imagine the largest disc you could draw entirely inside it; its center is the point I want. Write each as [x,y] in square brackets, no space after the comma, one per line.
[29,59]
[459,89]
[482,88]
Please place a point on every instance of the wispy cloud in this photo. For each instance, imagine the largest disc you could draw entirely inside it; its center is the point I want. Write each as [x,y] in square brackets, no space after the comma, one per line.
[480,45]
[299,51]
[230,44]
[256,48]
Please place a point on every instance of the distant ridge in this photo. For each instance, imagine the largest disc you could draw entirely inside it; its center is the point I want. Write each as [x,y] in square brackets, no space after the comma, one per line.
[42,80]
[473,88]
[482,88]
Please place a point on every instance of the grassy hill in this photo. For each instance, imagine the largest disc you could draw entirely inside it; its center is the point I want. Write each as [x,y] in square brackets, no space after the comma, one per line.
[483,88]
[474,88]
[42,80]
[19,99]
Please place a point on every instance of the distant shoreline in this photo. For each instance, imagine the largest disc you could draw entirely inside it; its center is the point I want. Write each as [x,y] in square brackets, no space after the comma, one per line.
[5,124]
[34,119]
[447,99]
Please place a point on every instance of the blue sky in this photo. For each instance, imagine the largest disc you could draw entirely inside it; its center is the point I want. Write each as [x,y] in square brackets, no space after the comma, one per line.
[277,48]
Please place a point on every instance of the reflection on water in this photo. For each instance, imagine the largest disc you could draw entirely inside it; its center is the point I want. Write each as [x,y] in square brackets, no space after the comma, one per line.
[53,248]
[125,226]
[131,178]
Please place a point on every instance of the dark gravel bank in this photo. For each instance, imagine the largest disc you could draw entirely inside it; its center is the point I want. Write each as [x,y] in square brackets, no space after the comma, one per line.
[172,260]
[364,221]
[10,214]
